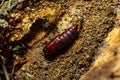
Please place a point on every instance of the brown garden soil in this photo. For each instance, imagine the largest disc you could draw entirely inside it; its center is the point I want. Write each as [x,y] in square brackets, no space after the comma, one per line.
[32,24]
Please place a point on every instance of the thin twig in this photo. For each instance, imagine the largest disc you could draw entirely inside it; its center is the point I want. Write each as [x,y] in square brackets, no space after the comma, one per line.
[4,67]
[5,71]
[2,3]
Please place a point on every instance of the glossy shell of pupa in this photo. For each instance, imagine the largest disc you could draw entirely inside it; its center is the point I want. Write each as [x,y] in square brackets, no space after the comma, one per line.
[61,40]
